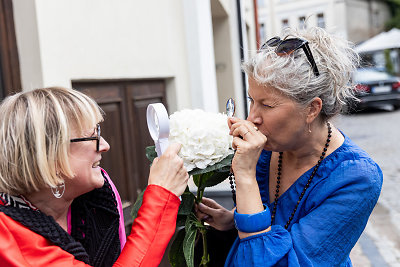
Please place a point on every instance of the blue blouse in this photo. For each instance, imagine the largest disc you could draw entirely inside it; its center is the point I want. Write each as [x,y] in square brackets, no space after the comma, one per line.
[329,219]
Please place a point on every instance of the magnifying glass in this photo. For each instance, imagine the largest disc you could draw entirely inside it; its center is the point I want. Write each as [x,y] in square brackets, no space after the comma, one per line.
[158,124]
[230,107]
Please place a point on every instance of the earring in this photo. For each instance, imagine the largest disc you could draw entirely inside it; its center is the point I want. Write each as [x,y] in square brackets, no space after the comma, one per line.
[309,128]
[59,190]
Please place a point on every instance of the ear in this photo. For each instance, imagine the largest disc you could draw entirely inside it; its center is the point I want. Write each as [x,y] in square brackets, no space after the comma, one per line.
[313,109]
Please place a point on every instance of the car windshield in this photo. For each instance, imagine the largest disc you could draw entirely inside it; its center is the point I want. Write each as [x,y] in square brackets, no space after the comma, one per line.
[367,75]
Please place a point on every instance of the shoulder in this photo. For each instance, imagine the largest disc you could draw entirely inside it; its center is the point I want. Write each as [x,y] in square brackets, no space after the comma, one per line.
[351,162]
[19,246]
[349,169]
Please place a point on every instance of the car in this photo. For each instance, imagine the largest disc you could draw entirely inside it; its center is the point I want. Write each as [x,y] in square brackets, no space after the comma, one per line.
[375,87]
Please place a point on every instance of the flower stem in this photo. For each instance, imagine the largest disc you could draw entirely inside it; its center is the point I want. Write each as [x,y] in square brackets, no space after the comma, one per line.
[200,192]
[206,258]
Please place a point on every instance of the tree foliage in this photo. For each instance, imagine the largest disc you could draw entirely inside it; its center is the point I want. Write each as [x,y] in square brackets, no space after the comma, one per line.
[394,21]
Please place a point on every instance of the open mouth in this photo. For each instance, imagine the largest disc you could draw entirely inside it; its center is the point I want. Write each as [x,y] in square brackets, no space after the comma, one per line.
[96,164]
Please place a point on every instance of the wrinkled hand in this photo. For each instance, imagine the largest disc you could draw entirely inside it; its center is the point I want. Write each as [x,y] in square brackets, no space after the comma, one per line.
[248,143]
[168,171]
[214,214]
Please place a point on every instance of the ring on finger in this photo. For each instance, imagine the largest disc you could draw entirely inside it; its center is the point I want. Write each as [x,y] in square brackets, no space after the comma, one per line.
[255,128]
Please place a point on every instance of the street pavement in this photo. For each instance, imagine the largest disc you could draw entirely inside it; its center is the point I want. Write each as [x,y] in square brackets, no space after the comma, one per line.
[377,132]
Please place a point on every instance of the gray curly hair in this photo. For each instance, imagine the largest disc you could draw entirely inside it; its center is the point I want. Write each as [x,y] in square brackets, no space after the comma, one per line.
[293,75]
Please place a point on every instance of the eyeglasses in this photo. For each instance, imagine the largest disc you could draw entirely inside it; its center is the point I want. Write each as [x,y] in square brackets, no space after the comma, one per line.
[97,138]
[288,46]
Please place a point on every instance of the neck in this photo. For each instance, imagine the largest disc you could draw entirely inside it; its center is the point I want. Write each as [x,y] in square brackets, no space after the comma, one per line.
[311,146]
[45,201]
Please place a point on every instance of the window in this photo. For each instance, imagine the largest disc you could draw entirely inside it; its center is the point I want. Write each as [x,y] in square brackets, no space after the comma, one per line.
[302,23]
[321,20]
[285,23]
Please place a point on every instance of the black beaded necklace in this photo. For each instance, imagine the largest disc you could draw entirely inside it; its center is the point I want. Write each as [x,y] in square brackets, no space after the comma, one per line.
[278,180]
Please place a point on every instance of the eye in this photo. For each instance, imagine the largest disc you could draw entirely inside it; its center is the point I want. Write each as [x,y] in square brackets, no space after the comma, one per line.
[267,106]
[250,100]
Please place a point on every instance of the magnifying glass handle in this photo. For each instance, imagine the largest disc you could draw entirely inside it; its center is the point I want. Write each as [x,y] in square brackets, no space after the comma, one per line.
[161,146]
[158,124]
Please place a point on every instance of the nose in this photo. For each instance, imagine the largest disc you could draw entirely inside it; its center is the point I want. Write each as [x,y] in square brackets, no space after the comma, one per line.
[254,116]
[104,146]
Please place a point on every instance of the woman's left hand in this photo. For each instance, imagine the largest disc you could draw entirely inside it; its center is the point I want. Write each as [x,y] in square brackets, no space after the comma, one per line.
[248,143]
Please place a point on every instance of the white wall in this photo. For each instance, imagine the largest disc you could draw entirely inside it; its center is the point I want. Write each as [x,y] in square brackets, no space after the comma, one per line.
[199,33]
[25,21]
[101,39]
[227,55]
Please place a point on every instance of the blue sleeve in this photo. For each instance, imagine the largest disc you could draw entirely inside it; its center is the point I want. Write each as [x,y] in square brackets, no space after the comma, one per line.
[337,209]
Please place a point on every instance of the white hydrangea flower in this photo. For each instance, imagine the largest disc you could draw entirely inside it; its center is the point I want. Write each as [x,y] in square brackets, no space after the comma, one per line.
[204,137]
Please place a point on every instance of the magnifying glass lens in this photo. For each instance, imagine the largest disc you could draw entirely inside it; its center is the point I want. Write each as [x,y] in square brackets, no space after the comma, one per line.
[230,107]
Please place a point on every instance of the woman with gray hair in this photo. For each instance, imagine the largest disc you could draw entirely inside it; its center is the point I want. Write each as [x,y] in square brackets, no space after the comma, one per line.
[304,190]
[57,206]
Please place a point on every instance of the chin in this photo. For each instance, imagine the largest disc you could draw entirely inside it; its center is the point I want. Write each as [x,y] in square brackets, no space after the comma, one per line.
[97,178]
[99,181]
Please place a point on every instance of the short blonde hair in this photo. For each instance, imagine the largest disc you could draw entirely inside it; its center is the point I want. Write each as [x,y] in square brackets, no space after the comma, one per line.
[35,129]
[293,75]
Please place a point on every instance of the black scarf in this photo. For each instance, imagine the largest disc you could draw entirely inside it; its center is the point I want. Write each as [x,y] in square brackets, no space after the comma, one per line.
[94,237]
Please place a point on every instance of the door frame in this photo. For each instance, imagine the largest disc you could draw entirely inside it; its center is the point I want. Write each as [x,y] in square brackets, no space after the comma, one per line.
[10,76]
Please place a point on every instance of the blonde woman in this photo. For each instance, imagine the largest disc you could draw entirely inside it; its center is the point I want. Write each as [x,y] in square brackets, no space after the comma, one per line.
[304,190]
[57,206]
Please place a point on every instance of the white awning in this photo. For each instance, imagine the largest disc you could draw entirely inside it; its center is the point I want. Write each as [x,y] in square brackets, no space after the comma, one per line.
[384,40]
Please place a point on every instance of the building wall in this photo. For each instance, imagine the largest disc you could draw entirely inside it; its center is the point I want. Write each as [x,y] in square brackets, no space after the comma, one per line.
[338,16]
[370,19]
[72,40]
[68,40]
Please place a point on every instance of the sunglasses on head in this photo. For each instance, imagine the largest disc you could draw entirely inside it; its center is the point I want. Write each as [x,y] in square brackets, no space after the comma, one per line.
[288,46]
[97,138]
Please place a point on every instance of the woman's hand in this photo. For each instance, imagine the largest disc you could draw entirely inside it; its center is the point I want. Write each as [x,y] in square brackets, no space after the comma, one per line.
[168,171]
[214,214]
[248,143]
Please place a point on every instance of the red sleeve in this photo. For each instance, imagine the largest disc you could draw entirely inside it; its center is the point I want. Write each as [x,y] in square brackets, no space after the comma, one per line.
[152,229]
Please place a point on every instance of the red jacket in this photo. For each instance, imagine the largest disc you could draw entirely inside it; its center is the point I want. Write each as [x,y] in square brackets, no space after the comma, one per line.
[145,246]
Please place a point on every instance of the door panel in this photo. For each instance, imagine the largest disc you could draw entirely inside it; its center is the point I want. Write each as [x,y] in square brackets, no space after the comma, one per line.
[115,160]
[140,95]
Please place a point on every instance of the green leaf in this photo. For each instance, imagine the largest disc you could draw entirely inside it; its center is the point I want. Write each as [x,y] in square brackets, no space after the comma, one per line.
[209,179]
[223,166]
[189,240]
[151,153]
[137,205]
[187,203]
[181,220]
[175,255]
